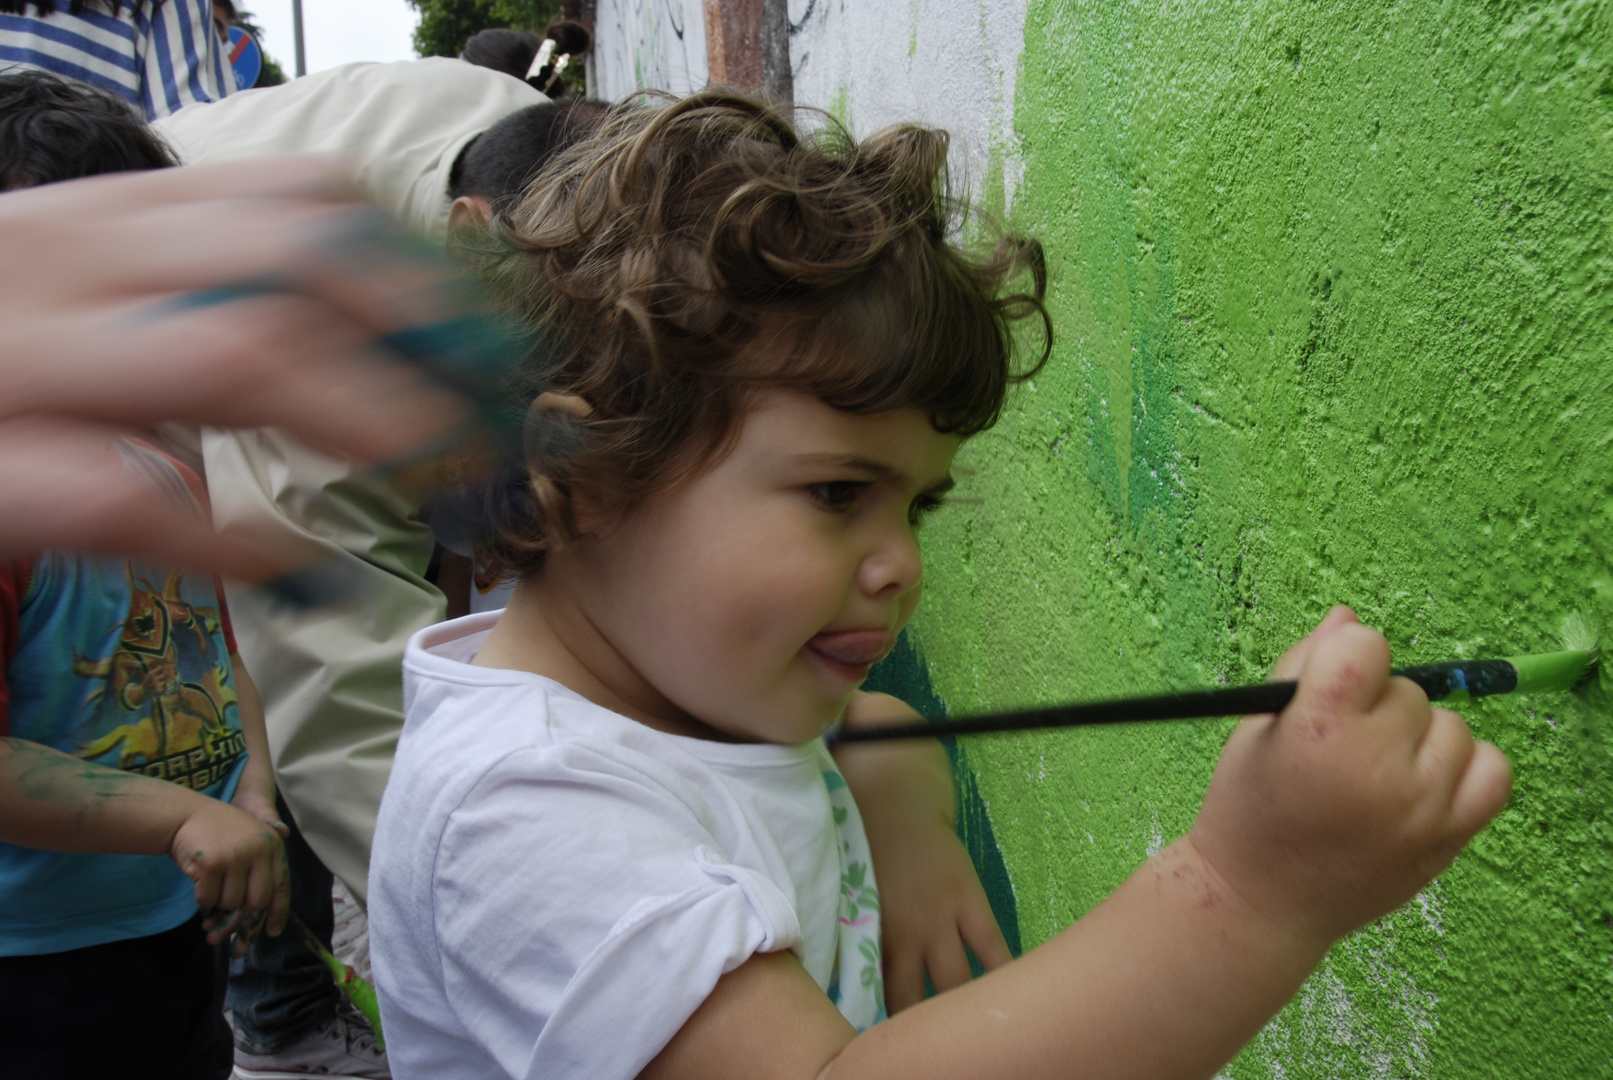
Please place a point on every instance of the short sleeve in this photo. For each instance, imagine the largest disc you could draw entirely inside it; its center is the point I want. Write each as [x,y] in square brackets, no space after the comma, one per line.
[15,574]
[583,914]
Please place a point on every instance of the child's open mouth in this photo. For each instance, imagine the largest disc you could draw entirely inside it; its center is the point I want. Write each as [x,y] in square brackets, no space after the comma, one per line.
[850,653]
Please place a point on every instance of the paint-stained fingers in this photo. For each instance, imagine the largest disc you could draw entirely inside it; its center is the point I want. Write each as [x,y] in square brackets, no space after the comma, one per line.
[279,912]
[247,932]
[232,891]
[223,929]
[947,963]
[982,934]
[904,979]
[1292,662]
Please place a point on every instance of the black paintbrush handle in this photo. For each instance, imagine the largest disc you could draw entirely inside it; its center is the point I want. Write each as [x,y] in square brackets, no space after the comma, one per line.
[1193,705]
[1477,677]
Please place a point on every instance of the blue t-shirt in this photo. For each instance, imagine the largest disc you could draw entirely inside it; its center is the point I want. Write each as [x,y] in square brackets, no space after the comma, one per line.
[126,664]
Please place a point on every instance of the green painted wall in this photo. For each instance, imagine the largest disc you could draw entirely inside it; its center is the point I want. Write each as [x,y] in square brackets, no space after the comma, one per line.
[1332,289]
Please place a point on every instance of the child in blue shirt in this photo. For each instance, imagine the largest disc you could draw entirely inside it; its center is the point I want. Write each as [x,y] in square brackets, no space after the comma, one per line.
[138,826]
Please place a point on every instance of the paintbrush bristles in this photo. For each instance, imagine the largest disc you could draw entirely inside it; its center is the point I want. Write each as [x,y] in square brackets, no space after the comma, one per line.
[1580,634]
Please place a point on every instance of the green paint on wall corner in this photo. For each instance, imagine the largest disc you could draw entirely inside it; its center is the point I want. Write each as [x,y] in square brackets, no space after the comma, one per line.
[1333,288]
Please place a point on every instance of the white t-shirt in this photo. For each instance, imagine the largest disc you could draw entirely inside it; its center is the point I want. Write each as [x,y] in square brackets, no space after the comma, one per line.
[555,889]
[400,125]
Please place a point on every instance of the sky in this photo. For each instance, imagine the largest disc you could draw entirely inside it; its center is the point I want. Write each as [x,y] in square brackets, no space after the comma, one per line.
[336,31]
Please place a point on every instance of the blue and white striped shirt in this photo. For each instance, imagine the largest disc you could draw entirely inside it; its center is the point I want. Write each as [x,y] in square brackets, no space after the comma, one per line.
[166,57]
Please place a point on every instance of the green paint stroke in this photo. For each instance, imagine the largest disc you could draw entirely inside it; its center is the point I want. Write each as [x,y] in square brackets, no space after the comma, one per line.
[1334,294]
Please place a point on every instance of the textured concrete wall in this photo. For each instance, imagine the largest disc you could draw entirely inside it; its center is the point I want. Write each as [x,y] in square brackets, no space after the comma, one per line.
[1332,289]
[647,44]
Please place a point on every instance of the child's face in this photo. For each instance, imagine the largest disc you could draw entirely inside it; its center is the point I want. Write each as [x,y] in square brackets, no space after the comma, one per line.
[755,597]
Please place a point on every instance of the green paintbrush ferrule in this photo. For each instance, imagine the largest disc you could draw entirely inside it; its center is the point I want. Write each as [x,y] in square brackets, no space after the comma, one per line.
[1552,671]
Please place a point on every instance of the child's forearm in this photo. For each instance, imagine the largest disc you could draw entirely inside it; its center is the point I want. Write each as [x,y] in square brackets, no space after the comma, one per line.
[258,776]
[1164,980]
[904,776]
[914,775]
[52,801]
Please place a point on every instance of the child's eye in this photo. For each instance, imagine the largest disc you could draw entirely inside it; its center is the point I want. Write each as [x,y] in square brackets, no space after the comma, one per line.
[836,495]
[922,507]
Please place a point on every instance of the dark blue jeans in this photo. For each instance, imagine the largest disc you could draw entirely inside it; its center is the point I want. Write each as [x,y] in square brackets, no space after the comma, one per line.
[279,991]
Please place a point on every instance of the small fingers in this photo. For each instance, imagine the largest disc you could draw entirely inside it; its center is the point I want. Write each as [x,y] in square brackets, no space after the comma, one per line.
[982,934]
[1292,662]
[904,980]
[1482,791]
[260,884]
[1444,751]
[1405,707]
[280,906]
[1347,671]
[948,964]
[222,930]
[209,884]
[232,890]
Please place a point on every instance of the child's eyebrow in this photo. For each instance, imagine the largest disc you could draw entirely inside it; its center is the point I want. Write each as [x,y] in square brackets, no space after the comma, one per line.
[876,470]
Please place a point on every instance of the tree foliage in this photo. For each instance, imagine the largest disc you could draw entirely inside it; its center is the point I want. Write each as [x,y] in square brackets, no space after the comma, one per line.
[445,25]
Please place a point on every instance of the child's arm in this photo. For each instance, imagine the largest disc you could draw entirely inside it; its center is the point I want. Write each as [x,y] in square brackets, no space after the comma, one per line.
[930,901]
[52,801]
[254,791]
[1316,822]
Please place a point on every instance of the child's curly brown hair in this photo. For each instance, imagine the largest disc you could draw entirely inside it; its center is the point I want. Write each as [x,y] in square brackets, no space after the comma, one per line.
[692,252]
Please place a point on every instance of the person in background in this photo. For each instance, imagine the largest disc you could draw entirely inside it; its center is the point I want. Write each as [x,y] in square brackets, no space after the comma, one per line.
[539,59]
[440,143]
[157,55]
[137,820]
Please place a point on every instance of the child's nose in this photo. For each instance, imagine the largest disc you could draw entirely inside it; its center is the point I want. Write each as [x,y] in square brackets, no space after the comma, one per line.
[893,567]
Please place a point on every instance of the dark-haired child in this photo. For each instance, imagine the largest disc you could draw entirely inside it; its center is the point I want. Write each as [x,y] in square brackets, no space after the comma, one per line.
[614,843]
[54,129]
[135,787]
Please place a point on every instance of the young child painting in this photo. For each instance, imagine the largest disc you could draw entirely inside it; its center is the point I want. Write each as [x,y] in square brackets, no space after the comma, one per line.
[615,843]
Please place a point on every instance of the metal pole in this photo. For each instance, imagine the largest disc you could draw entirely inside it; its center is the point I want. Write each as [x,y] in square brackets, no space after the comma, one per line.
[296,31]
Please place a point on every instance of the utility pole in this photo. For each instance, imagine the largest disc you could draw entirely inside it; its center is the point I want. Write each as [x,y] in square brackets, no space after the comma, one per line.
[748,46]
[296,32]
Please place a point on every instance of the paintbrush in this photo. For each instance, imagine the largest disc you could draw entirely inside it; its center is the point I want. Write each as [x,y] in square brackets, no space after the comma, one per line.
[1448,681]
[348,981]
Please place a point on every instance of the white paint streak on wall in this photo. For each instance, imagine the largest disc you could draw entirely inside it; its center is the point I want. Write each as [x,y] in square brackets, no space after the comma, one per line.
[1324,1030]
[647,44]
[952,64]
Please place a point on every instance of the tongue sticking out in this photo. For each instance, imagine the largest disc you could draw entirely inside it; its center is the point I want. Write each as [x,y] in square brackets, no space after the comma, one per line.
[854,647]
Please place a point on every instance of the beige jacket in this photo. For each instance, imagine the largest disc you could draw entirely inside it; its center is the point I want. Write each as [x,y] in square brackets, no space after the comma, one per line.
[331,678]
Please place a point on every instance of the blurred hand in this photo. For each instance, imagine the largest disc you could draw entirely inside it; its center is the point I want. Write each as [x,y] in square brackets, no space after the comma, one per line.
[1356,796]
[130,300]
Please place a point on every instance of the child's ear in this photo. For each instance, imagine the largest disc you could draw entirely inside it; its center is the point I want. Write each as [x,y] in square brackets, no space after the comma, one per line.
[469,212]
[555,424]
